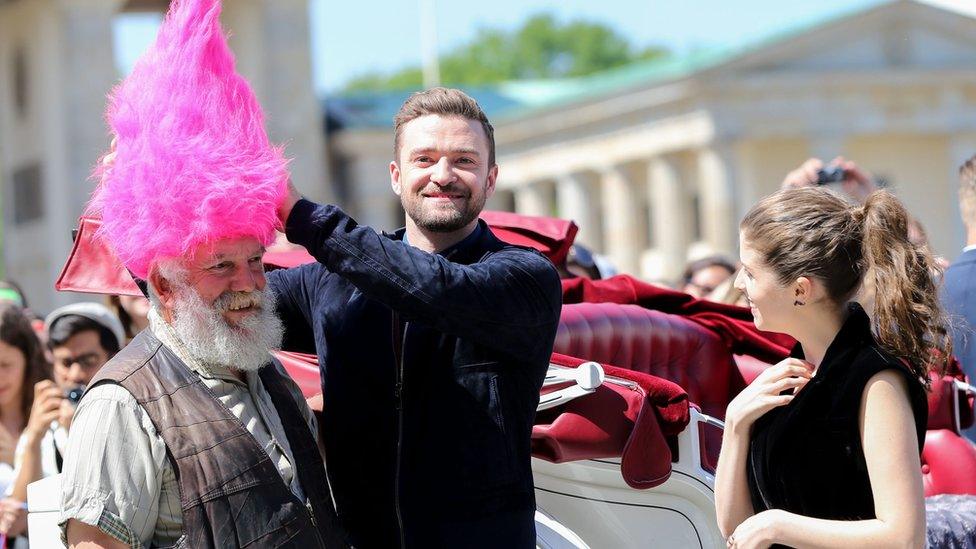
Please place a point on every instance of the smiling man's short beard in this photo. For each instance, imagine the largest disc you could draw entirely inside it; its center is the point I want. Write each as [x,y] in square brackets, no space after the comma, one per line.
[443,221]
[206,335]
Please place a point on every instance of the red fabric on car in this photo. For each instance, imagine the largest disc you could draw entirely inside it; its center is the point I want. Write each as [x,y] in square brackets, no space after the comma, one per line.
[92,267]
[551,236]
[632,423]
[732,324]
[943,398]
[948,464]
[651,342]
[749,367]
[304,369]
[286,258]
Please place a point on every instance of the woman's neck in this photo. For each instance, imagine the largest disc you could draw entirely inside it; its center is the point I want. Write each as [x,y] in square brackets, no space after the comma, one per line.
[820,328]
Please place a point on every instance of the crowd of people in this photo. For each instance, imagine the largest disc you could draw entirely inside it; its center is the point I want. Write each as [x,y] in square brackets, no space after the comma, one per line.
[172,425]
[45,365]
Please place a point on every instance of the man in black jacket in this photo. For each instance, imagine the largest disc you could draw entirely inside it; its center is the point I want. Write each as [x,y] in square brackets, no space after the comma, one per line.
[433,343]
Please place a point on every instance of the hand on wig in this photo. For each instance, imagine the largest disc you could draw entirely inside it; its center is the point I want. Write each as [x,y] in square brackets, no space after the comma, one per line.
[288,203]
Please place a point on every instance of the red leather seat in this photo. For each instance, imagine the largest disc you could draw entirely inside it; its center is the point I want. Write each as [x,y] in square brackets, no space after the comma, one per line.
[652,342]
[948,464]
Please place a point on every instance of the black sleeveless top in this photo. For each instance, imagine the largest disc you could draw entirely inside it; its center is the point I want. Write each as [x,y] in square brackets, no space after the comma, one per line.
[806,457]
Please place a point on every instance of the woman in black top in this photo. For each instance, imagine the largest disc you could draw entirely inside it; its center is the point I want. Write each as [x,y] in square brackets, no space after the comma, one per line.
[822,449]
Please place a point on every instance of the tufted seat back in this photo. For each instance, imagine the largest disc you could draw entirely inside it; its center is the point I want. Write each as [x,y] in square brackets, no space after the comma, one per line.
[652,342]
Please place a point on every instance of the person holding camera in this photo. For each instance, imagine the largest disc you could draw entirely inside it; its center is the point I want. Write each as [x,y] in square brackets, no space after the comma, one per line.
[82,337]
[853,180]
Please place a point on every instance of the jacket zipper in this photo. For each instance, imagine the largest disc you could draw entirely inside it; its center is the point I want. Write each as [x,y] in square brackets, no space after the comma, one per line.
[315,527]
[399,338]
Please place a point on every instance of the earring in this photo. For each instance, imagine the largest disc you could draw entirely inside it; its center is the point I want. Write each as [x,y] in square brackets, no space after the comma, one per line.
[798,303]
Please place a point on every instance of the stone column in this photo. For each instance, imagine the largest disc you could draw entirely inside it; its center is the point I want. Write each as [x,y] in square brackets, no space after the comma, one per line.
[271,41]
[622,229]
[71,70]
[534,199]
[577,199]
[716,191]
[87,74]
[672,220]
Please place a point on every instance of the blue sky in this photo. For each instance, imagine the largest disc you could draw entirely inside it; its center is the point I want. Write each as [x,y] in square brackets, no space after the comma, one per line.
[350,38]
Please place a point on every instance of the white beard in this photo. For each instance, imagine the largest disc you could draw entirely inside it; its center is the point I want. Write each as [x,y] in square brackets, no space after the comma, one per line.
[206,335]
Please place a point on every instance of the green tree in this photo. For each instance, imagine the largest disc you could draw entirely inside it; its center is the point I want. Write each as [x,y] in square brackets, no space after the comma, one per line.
[541,48]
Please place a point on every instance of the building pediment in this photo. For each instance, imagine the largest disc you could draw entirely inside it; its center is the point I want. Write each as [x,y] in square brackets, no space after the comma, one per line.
[903,34]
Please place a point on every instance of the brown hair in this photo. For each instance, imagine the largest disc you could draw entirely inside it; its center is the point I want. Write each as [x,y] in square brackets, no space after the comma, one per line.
[967,191]
[16,331]
[813,232]
[443,102]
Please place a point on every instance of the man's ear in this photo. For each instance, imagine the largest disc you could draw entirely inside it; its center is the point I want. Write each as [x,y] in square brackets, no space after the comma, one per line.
[162,287]
[395,178]
[490,183]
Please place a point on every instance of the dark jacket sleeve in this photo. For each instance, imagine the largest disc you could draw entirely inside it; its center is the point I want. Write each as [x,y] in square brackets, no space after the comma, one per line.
[511,297]
[293,298]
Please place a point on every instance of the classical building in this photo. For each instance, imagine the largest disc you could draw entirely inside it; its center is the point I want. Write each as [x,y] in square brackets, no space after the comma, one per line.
[657,162]
[56,66]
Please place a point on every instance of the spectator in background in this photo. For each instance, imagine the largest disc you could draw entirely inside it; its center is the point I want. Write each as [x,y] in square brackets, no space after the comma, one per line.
[959,286]
[857,183]
[11,292]
[82,337]
[133,312]
[22,365]
[581,262]
[703,276]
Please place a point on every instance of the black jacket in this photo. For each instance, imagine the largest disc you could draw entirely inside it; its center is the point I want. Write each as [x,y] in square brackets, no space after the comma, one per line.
[431,367]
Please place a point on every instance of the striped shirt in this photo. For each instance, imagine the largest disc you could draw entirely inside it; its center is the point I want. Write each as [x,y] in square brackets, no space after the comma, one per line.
[116,474]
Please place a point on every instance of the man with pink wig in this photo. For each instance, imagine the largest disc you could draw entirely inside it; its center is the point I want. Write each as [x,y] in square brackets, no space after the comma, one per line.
[193,435]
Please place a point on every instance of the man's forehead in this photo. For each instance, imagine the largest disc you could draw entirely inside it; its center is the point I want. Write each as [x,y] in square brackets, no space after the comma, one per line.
[83,342]
[434,131]
[227,248]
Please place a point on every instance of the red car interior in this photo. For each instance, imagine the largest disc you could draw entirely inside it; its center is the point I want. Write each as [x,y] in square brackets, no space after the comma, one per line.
[636,421]
[651,342]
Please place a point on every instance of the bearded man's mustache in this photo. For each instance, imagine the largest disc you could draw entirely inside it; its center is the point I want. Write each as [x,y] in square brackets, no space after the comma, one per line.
[231,301]
[449,190]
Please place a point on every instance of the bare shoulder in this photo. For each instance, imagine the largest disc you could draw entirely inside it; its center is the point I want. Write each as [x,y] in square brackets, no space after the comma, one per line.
[886,403]
[888,382]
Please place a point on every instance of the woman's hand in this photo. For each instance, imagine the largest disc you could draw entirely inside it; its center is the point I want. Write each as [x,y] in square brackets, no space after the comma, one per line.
[764,394]
[46,408]
[757,532]
[13,517]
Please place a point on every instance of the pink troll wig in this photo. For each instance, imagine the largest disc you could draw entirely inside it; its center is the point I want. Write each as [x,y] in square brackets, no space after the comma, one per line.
[193,162]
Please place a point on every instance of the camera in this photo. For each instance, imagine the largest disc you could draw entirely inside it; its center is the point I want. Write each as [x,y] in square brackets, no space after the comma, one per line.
[74,394]
[830,174]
